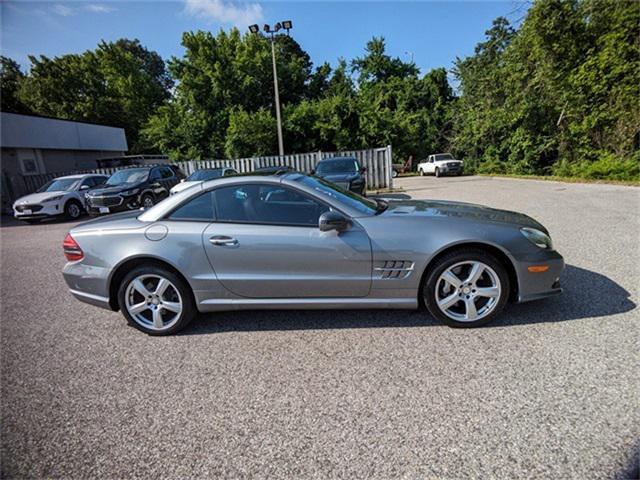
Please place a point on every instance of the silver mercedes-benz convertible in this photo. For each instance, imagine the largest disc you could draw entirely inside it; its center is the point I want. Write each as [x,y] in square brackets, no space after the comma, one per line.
[299,242]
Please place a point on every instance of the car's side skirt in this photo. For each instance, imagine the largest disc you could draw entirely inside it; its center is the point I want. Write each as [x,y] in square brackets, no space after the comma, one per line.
[215,305]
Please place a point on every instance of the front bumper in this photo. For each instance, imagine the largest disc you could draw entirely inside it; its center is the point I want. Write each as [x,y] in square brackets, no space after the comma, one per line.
[112,204]
[537,285]
[37,210]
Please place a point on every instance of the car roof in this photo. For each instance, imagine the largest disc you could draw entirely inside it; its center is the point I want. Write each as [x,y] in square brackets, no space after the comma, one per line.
[81,175]
[329,159]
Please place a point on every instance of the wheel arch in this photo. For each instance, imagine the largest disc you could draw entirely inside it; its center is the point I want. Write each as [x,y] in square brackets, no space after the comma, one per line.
[502,256]
[129,264]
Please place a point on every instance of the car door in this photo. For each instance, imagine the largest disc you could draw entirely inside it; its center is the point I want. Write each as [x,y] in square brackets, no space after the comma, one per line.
[265,243]
[431,166]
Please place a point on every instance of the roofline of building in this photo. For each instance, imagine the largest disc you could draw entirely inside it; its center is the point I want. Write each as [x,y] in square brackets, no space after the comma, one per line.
[62,119]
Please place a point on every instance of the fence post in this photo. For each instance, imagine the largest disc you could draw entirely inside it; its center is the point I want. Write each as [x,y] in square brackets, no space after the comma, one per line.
[389,167]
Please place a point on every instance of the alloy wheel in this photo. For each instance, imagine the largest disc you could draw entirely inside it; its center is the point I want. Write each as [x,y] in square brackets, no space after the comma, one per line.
[73,210]
[468,291]
[153,302]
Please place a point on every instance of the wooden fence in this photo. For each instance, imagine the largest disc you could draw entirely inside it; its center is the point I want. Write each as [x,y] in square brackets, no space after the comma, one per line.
[378,162]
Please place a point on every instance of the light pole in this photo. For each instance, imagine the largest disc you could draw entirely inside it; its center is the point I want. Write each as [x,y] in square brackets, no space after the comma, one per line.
[271,31]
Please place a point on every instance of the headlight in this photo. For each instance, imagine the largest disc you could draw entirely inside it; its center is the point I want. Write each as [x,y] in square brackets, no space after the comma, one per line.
[52,199]
[128,193]
[537,237]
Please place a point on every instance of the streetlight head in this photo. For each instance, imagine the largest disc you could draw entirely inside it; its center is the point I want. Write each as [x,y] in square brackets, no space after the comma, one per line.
[254,28]
[287,24]
[277,26]
[266,28]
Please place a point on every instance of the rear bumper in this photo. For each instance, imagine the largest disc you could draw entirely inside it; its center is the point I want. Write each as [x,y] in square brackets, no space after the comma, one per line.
[535,286]
[88,284]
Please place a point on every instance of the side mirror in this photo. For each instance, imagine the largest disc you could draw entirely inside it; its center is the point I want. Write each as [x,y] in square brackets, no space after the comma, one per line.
[333,221]
[363,169]
[182,180]
[84,187]
[313,171]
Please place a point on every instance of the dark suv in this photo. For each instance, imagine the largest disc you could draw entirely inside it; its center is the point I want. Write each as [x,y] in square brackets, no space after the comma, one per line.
[345,172]
[133,188]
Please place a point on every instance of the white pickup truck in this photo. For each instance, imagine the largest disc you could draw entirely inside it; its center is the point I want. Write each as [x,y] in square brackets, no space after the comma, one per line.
[440,164]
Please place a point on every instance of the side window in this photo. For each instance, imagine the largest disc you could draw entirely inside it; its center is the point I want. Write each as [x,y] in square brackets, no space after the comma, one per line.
[155,174]
[199,208]
[166,172]
[230,171]
[267,204]
[99,180]
[88,182]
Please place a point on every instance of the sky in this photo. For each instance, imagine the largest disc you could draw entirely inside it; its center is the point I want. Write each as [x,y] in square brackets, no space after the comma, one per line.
[432,33]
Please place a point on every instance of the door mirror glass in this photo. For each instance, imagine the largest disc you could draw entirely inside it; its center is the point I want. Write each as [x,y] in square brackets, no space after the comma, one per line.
[333,221]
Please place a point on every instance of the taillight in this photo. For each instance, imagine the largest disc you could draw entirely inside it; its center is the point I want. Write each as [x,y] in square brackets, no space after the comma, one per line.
[71,249]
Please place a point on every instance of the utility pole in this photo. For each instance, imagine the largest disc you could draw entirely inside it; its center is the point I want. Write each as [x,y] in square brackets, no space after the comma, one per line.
[271,31]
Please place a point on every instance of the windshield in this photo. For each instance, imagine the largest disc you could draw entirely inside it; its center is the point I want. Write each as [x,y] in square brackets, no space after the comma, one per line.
[343,165]
[203,175]
[327,189]
[59,185]
[131,175]
[444,156]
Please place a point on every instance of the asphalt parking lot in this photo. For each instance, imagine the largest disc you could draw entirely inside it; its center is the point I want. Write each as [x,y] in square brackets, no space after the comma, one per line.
[549,391]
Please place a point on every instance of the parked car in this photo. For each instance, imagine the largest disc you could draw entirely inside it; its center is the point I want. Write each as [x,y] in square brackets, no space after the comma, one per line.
[200,176]
[298,241]
[441,164]
[346,172]
[60,196]
[132,188]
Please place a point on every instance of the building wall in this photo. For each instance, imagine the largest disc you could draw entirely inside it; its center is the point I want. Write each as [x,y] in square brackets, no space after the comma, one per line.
[18,163]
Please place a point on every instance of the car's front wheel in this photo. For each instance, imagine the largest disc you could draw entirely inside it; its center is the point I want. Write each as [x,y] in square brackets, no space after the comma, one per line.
[73,210]
[466,288]
[437,172]
[156,301]
[147,201]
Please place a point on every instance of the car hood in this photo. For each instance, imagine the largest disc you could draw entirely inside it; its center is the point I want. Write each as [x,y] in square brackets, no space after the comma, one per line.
[113,189]
[459,210]
[184,185]
[39,197]
[338,177]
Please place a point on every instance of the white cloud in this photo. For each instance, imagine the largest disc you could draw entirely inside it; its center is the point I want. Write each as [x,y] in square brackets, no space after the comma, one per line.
[224,11]
[62,10]
[99,8]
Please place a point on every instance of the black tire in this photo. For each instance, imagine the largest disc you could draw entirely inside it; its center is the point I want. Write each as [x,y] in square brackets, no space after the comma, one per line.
[394,173]
[421,172]
[73,210]
[429,285]
[187,314]
[437,172]
[147,198]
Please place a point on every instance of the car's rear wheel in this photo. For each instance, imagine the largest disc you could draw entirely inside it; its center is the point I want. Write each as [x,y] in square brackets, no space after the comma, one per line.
[466,288]
[156,301]
[72,210]
[421,172]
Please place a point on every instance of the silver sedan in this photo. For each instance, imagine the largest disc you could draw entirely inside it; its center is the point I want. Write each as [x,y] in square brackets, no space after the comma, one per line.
[291,241]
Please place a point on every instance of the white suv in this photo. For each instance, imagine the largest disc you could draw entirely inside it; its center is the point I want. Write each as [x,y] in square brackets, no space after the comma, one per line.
[441,164]
[60,196]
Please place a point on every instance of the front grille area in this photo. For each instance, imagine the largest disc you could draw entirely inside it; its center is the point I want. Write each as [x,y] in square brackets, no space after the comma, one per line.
[453,165]
[33,208]
[393,269]
[104,201]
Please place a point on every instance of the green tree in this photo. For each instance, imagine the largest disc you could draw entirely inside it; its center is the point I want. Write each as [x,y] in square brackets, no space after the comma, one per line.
[10,79]
[120,83]
[250,134]
[216,76]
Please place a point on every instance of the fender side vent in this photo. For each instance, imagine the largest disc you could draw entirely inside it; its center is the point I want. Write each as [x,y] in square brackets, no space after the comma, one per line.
[393,269]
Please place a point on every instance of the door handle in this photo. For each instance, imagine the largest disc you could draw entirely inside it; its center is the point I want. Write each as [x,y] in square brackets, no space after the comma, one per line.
[222,240]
